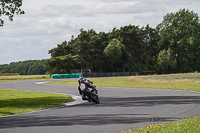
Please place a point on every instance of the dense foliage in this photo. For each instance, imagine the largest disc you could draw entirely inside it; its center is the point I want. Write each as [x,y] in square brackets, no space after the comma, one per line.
[174,45]
[30,67]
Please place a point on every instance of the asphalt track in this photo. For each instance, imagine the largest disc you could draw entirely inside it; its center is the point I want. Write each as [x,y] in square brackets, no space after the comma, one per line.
[119,110]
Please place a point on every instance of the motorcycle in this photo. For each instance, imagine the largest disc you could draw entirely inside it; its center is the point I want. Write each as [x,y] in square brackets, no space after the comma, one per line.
[91,93]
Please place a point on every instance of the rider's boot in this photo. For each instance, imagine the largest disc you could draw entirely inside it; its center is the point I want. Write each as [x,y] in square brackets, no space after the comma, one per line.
[80,91]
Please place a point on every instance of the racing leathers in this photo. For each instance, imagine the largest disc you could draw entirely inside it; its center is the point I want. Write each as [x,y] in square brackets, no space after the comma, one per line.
[83,86]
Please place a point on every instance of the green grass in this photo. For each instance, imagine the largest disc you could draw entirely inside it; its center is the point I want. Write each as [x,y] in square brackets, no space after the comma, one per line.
[23,77]
[185,82]
[190,125]
[19,101]
[170,77]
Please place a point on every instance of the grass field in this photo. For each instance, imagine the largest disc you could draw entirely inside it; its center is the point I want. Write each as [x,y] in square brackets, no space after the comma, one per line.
[190,125]
[19,101]
[23,77]
[185,82]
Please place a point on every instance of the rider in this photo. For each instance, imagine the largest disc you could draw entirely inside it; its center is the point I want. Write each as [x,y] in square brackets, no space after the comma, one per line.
[84,84]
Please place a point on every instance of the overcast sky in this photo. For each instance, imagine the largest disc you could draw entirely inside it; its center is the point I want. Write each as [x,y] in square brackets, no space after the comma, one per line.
[47,23]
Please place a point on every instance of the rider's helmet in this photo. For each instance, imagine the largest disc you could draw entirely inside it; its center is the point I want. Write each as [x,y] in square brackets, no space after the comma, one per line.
[80,77]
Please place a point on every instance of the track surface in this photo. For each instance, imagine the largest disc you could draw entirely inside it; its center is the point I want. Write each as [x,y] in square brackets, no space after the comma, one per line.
[119,110]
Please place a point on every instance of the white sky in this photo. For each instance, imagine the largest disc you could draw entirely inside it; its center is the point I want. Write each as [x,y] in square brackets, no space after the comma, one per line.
[47,23]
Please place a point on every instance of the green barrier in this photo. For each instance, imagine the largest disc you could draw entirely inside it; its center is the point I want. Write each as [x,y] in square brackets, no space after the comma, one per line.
[72,75]
[64,75]
[58,76]
[55,76]
[79,74]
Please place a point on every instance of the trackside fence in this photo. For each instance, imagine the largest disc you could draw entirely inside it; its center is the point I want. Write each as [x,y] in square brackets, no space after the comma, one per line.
[115,74]
[110,74]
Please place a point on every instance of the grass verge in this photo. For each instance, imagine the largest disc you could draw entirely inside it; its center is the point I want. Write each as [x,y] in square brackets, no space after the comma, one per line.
[23,77]
[190,125]
[20,101]
[185,82]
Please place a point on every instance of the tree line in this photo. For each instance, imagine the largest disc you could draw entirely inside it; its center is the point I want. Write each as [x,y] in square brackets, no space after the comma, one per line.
[174,45]
[30,67]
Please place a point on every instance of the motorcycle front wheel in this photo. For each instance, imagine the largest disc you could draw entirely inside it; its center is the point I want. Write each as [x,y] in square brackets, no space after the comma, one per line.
[95,99]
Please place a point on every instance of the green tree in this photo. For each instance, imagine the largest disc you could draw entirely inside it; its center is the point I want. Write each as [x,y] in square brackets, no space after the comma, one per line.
[149,55]
[88,45]
[132,39]
[166,61]
[60,50]
[29,67]
[62,64]
[180,31]
[9,8]
[141,45]
[113,54]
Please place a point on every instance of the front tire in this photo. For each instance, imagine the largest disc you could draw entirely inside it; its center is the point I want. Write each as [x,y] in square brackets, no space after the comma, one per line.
[94,99]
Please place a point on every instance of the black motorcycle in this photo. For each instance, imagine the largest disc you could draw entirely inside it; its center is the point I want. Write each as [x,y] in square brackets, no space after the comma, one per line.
[91,92]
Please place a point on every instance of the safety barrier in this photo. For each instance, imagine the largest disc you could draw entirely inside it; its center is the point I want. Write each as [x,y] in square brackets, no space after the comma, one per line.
[59,76]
